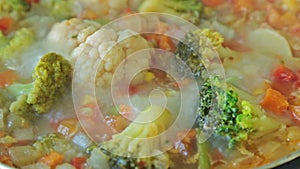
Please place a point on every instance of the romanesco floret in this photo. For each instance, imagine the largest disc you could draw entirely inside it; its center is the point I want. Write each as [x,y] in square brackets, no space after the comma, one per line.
[22,39]
[51,76]
[52,142]
[129,148]
[14,8]
[187,9]
[58,8]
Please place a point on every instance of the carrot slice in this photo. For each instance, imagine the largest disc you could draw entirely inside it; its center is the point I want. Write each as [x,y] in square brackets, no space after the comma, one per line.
[5,23]
[243,5]
[275,102]
[52,159]
[212,3]
[7,78]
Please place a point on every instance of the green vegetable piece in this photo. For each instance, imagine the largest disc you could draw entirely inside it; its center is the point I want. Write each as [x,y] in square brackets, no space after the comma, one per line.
[3,40]
[204,157]
[60,9]
[186,9]
[22,39]
[128,144]
[52,76]
[19,5]
[52,142]
[18,89]
[7,140]
[193,50]
[21,108]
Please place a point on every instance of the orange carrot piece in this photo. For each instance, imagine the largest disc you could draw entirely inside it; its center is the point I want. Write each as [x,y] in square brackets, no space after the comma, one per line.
[5,23]
[6,160]
[212,3]
[52,159]
[165,43]
[275,102]
[2,134]
[7,77]
[78,162]
[243,5]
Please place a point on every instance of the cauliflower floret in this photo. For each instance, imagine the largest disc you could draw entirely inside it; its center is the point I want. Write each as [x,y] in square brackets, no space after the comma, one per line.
[71,33]
[111,48]
[97,55]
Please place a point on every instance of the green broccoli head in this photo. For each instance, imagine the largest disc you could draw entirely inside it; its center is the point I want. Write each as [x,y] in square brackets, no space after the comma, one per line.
[195,49]
[233,117]
[52,76]
[186,9]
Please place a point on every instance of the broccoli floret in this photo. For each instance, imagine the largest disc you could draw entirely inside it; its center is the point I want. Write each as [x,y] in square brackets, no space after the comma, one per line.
[196,48]
[125,149]
[223,106]
[22,39]
[219,107]
[51,77]
[186,9]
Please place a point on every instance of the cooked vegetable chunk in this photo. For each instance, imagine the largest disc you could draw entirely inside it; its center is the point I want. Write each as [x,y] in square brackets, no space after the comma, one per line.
[51,76]
[187,9]
[196,47]
[125,148]
[21,40]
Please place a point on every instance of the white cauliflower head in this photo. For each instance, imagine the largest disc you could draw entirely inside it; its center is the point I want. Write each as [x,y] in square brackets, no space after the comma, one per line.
[71,33]
[97,52]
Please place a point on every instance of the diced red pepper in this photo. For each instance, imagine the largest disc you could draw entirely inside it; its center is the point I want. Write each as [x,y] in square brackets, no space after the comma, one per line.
[32,1]
[284,74]
[6,23]
[212,3]
[78,162]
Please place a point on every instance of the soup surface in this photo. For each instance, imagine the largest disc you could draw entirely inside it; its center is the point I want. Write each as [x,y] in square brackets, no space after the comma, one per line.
[148,84]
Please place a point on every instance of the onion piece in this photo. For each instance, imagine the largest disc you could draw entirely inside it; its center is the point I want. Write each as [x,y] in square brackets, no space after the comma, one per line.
[23,155]
[269,41]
